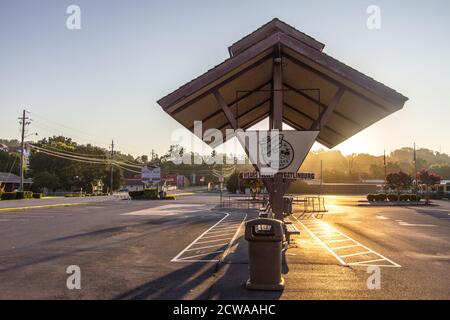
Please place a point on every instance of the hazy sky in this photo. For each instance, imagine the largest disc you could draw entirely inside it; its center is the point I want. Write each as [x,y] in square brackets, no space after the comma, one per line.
[103,81]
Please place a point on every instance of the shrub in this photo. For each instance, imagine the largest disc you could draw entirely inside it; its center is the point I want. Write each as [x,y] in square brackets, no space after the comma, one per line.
[404,197]
[136,194]
[37,195]
[9,196]
[151,194]
[414,197]
[73,195]
[24,195]
[392,197]
[148,194]
[376,197]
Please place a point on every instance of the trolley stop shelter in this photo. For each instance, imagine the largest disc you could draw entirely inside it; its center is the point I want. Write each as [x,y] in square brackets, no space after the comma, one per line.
[280,73]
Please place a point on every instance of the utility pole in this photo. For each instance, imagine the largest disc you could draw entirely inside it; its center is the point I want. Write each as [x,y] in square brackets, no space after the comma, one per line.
[321,175]
[111,178]
[23,121]
[385,173]
[415,167]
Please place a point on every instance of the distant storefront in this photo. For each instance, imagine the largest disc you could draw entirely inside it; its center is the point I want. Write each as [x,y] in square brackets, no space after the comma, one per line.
[10,182]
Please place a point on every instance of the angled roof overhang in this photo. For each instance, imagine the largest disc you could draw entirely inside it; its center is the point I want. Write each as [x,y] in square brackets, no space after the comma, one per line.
[317,89]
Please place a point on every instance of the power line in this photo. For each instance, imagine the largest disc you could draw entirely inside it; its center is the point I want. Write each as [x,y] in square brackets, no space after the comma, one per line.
[75,153]
[130,170]
[69,158]
[67,154]
[84,133]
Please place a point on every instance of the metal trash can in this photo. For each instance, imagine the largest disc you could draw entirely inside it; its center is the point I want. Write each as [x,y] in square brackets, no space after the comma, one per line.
[287,205]
[265,237]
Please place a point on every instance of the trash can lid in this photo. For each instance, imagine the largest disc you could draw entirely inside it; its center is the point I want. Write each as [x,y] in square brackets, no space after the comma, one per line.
[264,229]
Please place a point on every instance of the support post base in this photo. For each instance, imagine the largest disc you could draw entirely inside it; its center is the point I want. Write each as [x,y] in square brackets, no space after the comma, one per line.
[265,287]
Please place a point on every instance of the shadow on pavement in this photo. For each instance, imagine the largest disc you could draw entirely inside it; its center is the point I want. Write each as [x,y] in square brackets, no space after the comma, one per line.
[189,282]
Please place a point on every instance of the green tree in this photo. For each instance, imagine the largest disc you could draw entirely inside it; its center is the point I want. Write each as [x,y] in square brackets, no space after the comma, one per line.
[232,182]
[45,180]
[9,162]
[428,179]
[254,185]
[399,181]
[442,170]
[73,174]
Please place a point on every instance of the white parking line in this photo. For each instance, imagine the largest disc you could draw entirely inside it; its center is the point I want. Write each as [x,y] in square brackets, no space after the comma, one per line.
[207,247]
[335,241]
[355,254]
[367,261]
[202,255]
[215,240]
[219,235]
[344,247]
[362,249]
[187,248]
[234,238]
[223,233]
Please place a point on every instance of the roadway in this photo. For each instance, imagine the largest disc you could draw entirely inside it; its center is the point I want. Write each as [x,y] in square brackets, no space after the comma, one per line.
[170,250]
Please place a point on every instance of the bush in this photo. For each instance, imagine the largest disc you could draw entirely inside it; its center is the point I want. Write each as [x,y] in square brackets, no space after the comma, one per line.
[136,194]
[70,195]
[148,194]
[37,195]
[414,197]
[404,197]
[24,195]
[392,197]
[151,194]
[379,197]
[9,196]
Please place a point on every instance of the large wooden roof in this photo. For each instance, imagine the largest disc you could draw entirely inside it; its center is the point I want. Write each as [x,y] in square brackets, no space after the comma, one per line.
[311,82]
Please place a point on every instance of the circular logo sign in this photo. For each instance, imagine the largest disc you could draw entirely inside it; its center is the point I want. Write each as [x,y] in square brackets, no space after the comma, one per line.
[285,152]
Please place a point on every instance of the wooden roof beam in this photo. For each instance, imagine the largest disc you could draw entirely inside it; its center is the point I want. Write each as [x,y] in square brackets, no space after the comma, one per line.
[226,110]
[325,114]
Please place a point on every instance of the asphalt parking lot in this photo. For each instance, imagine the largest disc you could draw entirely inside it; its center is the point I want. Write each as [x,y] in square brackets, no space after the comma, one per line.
[189,249]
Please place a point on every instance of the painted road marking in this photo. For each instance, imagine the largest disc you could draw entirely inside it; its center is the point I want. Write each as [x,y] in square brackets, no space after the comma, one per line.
[406,224]
[206,247]
[169,210]
[214,243]
[215,240]
[352,254]
[46,206]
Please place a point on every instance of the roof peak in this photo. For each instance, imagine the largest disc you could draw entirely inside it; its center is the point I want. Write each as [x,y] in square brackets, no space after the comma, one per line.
[266,30]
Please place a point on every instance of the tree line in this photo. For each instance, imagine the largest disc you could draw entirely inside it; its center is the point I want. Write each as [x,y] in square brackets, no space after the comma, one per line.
[59,173]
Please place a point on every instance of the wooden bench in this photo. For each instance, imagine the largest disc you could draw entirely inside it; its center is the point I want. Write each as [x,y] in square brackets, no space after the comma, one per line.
[290,229]
[265,212]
